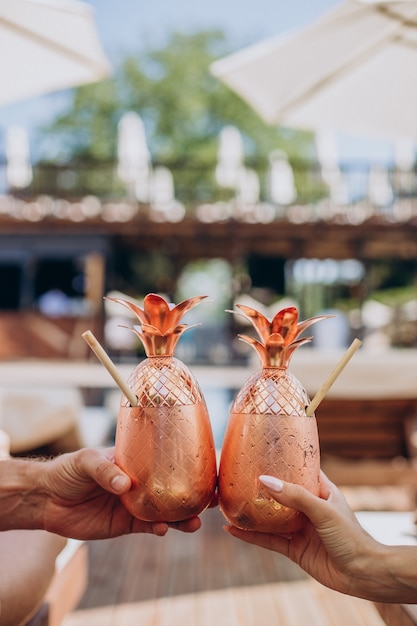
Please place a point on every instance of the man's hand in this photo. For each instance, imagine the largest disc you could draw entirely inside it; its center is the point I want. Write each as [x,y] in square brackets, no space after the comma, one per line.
[82,502]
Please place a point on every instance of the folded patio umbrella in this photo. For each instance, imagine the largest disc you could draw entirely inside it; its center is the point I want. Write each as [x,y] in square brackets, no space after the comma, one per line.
[353,70]
[47,45]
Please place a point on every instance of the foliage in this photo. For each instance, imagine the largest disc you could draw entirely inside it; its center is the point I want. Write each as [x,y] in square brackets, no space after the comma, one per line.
[396,296]
[183,109]
[387,275]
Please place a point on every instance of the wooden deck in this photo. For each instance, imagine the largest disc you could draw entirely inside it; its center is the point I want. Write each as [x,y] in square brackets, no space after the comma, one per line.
[208,579]
[140,567]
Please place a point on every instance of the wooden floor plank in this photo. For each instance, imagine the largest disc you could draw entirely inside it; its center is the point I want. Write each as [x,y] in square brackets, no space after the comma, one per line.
[257,603]
[278,604]
[216,608]
[295,604]
[345,610]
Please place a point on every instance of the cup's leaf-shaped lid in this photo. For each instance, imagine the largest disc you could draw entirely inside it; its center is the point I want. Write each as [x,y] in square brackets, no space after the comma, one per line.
[160,326]
[279,337]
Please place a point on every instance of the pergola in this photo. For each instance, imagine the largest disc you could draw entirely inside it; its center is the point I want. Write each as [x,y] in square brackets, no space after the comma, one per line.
[375,238]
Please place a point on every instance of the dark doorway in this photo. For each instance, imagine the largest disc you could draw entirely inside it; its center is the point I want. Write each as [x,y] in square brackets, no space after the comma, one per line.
[10,282]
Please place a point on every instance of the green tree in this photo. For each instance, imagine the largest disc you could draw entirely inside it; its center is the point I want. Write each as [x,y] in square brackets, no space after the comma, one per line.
[183,108]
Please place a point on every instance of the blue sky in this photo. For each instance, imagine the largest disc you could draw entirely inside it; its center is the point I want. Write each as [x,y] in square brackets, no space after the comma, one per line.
[127,25]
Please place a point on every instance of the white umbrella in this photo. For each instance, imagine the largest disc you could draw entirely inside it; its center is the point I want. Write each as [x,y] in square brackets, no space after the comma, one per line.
[47,45]
[133,156]
[230,157]
[18,167]
[353,70]
[282,188]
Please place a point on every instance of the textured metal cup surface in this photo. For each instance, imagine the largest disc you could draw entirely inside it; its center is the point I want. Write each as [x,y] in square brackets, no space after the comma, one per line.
[282,442]
[166,444]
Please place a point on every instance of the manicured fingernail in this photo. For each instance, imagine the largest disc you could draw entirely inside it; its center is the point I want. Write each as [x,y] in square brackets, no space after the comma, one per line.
[272,483]
[119,483]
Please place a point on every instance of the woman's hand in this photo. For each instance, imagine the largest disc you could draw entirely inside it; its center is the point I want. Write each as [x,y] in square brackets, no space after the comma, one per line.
[334,548]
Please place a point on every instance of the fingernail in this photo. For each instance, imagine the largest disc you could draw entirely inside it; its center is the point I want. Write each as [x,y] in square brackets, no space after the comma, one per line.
[272,483]
[119,483]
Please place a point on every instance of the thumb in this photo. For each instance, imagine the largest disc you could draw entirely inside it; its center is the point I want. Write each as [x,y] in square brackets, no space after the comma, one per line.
[120,483]
[98,466]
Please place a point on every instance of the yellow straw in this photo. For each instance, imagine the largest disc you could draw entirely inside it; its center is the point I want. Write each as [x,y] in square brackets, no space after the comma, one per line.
[102,356]
[356,343]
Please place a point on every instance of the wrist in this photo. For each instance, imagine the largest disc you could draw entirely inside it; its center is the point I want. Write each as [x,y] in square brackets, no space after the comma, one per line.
[21,495]
[400,563]
[388,575]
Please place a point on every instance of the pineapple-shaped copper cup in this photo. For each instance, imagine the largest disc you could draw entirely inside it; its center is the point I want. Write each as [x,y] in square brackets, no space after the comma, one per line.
[268,431]
[165,443]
